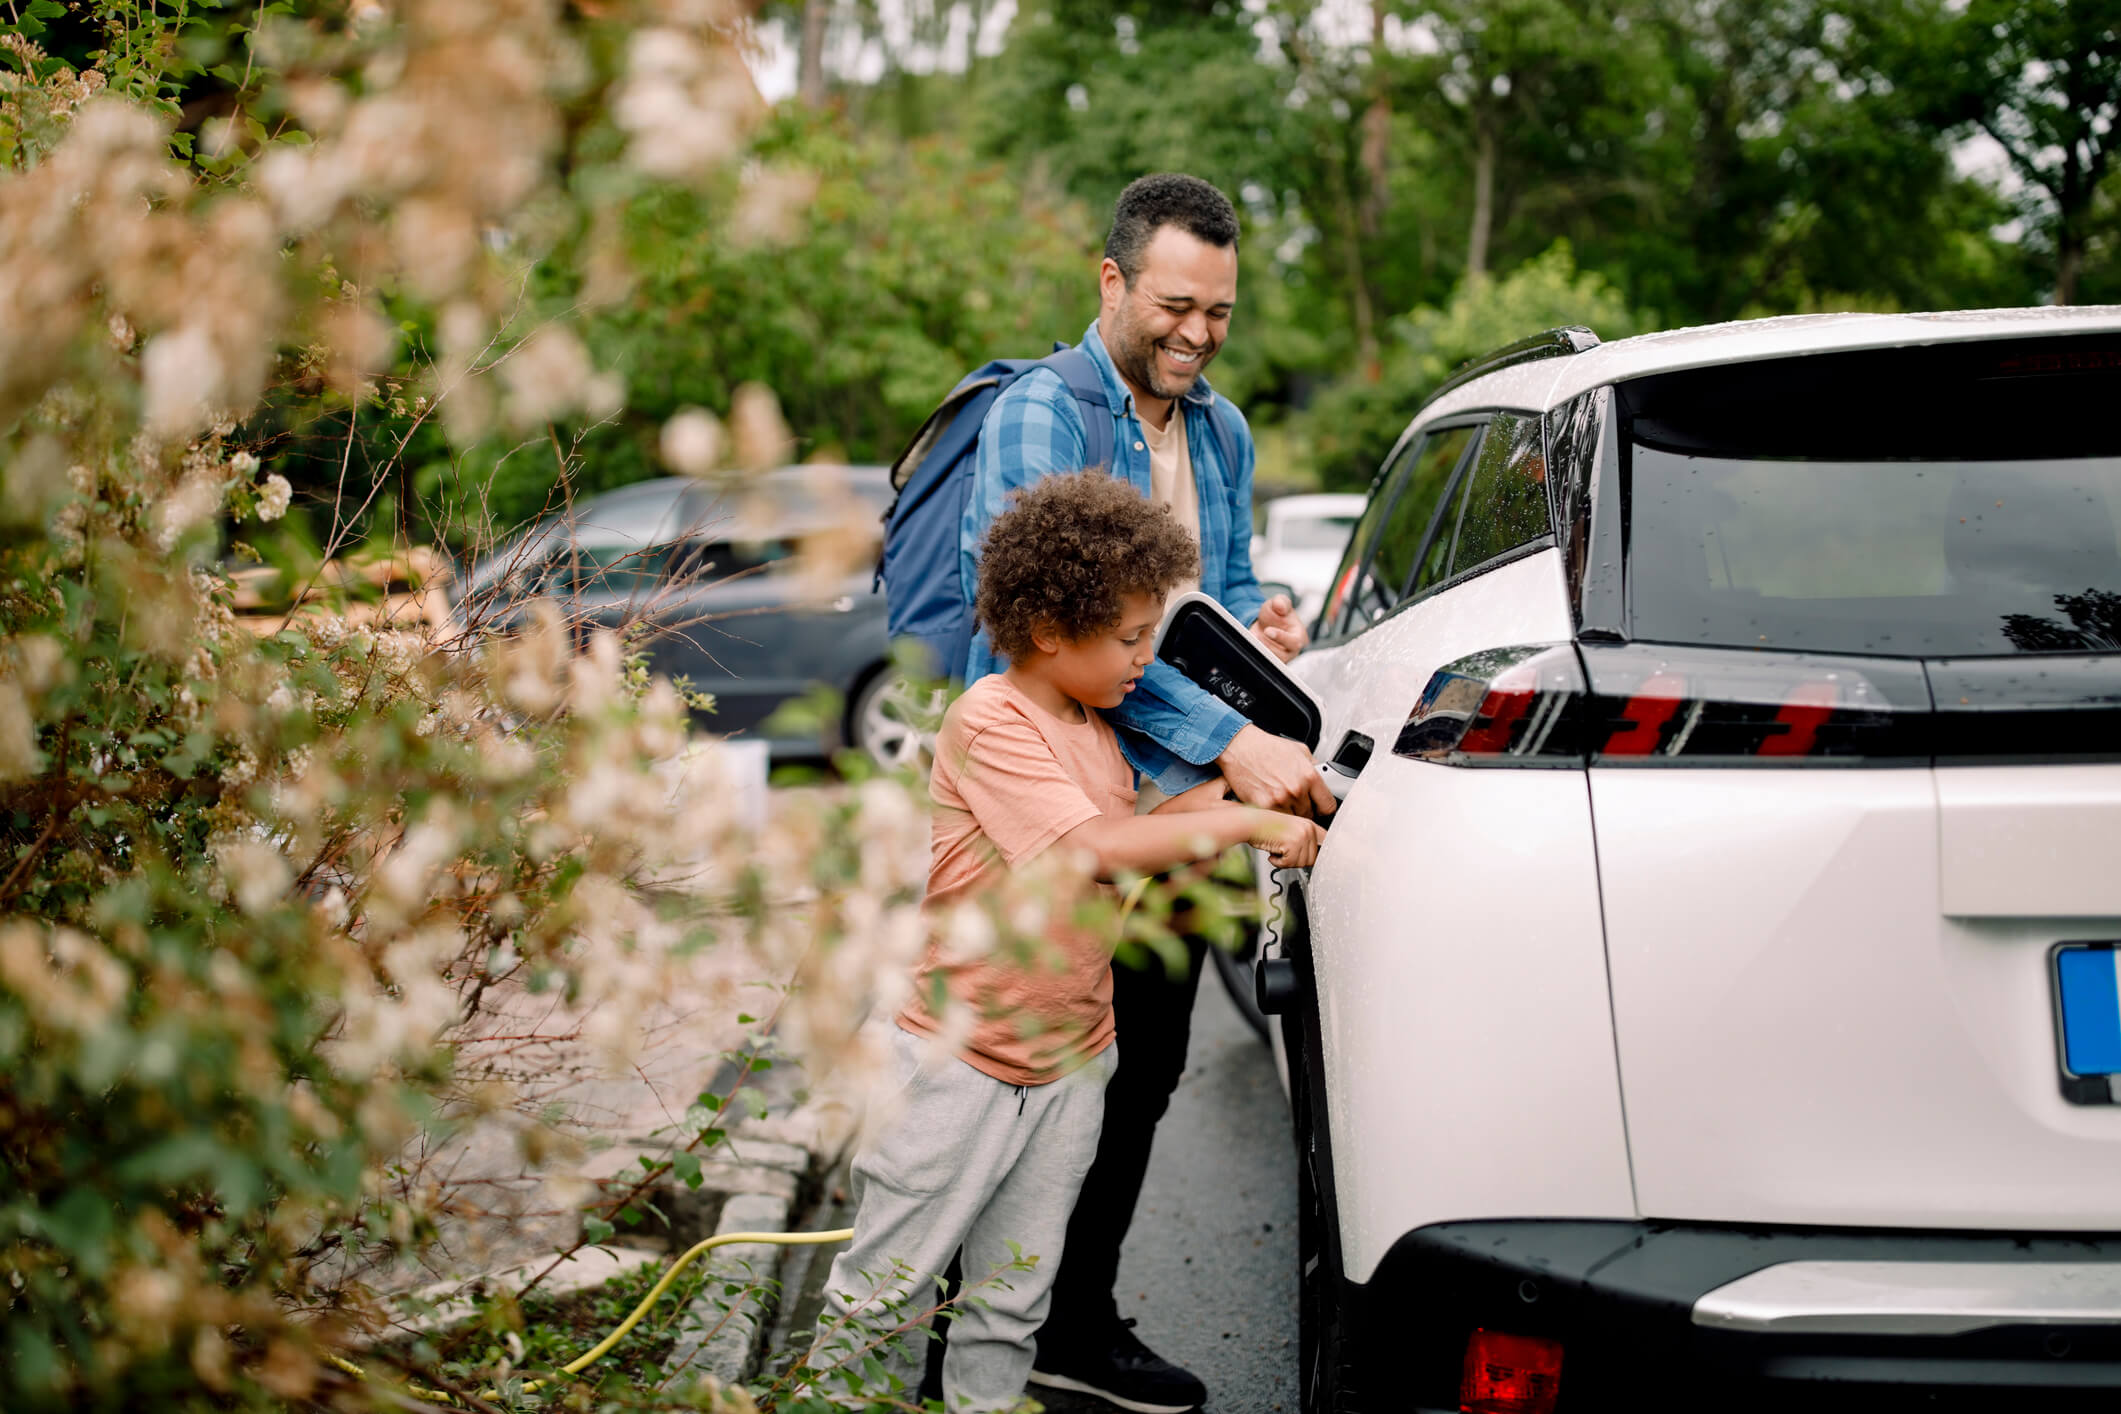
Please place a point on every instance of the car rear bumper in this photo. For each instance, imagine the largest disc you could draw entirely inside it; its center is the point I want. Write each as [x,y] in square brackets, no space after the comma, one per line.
[1661,1315]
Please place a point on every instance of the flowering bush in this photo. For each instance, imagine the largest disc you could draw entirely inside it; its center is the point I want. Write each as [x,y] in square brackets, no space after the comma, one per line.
[260,881]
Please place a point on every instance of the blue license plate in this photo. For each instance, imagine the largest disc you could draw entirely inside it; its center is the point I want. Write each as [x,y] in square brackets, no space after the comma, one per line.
[2088,1011]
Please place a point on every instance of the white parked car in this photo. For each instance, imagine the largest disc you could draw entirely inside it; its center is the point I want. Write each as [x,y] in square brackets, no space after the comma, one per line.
[1705,997]
[1300,542]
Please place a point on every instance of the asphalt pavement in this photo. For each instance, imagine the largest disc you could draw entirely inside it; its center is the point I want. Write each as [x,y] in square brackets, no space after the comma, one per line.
[1209,1270]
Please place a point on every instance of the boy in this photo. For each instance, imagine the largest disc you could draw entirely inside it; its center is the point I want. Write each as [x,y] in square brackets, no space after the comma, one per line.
[990,1147]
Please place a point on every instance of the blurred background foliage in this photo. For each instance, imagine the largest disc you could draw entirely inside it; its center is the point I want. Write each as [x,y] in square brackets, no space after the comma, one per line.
[1422,181]
[1418,181]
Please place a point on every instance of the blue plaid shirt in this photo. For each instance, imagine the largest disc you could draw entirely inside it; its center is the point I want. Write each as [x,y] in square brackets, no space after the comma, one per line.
[1170,729]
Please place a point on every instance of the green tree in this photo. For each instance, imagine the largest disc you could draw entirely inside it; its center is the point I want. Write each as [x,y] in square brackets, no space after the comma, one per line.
[1098,93]
[887,271]
[1775,172]
[906,266]
[2041,78]
[1539,99]
[1347,430]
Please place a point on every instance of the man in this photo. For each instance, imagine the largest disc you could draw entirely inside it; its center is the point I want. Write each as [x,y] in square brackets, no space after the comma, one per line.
[1166,289]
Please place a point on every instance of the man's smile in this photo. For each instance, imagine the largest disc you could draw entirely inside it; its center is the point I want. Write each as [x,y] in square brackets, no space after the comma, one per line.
[1181,357]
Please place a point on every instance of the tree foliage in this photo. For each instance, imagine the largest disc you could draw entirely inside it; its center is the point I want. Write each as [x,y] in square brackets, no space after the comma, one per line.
[1348,429]
[2041,79]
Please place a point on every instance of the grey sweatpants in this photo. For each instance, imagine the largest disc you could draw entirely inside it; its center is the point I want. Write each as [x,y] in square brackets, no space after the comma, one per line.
[969,1162]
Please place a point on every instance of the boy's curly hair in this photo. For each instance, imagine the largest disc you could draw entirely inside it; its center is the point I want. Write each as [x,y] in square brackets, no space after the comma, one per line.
[1066,551]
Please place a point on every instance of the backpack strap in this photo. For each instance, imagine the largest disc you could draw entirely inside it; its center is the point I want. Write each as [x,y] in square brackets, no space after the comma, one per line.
[1076,370]
[1081,376]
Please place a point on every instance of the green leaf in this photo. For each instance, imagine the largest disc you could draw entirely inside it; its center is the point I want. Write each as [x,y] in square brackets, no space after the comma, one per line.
[175,1159]
[596,1230]
[81,1224]
[686,1165]
[36,1364]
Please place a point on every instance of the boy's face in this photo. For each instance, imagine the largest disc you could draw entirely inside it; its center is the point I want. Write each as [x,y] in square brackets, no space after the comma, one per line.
[1099,671]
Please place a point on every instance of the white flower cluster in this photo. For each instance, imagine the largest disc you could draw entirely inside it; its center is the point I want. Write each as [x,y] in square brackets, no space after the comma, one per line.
[549,791]
[273,497]
[687,102]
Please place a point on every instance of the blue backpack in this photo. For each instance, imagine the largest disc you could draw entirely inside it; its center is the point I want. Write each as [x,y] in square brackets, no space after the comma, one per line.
[928,600]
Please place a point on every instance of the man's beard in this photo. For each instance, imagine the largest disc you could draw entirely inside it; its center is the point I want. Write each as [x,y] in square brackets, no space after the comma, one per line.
[1134,355]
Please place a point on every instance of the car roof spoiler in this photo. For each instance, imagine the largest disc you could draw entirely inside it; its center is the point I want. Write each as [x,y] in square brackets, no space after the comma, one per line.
[1552,343]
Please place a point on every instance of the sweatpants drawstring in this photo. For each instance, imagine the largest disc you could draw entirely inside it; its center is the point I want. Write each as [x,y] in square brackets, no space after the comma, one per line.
[1021,1092]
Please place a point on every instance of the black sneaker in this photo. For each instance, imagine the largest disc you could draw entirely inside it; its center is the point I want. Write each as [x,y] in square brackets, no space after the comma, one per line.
[1119,1369]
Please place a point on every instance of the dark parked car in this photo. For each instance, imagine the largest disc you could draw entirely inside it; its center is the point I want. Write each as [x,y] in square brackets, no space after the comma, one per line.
[713,570]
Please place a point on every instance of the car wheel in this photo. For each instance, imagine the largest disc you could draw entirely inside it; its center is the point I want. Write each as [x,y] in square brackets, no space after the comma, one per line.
[1234,966]
[895,722]
[1327,1380]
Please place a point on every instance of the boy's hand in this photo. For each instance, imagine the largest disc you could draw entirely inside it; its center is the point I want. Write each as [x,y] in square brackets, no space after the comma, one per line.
[1291,841]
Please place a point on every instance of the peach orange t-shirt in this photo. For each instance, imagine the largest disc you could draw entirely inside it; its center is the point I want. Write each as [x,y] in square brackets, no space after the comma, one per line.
[1009,780]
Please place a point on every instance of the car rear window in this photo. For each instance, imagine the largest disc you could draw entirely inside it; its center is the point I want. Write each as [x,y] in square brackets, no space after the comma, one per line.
[1963,501]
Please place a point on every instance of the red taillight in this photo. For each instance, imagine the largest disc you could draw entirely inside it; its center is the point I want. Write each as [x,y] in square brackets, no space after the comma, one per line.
[1643,719]
[1801,717]
[1644,704]
[1500,711]
[1510,1374]
[1503,706]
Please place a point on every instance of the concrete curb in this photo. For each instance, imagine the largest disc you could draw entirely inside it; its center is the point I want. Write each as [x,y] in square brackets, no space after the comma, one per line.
[720,1333]
[760,1180]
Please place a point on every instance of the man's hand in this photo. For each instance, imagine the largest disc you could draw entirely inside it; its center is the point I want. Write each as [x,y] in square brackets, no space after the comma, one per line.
[1274,773]
[1278,627]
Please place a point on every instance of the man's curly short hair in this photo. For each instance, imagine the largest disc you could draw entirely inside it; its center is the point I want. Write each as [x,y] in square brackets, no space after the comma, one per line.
[1066,551]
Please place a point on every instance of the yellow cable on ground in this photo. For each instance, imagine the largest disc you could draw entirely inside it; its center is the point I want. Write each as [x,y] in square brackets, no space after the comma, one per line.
[603,1347]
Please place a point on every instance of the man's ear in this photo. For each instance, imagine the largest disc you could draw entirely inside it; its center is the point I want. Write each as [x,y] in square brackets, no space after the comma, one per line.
[1111,284]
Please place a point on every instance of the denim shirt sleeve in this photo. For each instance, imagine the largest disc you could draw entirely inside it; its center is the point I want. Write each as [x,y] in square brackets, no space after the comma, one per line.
[1241,592]
[1170,727]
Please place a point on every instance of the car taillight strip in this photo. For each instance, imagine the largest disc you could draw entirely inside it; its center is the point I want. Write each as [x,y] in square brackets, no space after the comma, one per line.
[1642,704]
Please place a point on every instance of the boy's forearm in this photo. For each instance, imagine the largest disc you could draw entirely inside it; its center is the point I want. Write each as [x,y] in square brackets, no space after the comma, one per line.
[1150,844]
[1205,796]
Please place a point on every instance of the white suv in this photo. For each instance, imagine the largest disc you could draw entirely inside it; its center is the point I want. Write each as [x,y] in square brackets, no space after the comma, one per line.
[1706,994]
